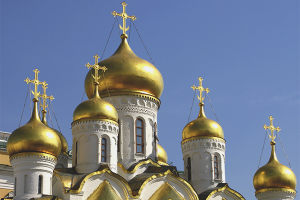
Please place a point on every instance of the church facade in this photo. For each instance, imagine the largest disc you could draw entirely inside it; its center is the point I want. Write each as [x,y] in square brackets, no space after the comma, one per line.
[115,151]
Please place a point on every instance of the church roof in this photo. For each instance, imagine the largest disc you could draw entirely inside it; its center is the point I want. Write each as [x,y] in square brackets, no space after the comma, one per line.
[220,187]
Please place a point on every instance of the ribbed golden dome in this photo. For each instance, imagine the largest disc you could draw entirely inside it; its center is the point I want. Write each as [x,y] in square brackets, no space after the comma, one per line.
[95,108]
[126,74]
[274,174]
[202,127]
[64,143]
[34,137]
[161,154]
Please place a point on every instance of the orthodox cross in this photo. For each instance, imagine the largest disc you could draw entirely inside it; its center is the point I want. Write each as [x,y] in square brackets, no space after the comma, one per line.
[96,67]
[44,96]
[272,128]
[36,83]
[201,89]
[124,16]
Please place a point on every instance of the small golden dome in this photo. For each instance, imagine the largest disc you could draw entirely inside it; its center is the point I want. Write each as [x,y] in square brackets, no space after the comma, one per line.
[274,174]
[202,127]
[34,137]
[95,108]
[126,74]
[161,154]
[64,143]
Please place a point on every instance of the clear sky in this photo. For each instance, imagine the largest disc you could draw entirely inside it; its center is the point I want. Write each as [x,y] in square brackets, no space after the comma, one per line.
[247,52]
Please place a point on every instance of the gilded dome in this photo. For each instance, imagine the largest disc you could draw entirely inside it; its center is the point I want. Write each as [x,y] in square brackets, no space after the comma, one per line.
[126,74]
[202,127]
[95,108]
[161,154]
[274,175]
[64,143]
[34,137]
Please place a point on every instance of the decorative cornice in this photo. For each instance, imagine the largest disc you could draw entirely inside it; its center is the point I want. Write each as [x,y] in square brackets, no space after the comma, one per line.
[95,125]
[203,143]
[286,190]
[92,119]
[33,155]
[145,96]
[203,138]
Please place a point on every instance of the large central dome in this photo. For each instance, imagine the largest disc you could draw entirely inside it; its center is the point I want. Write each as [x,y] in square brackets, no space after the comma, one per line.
[126,74]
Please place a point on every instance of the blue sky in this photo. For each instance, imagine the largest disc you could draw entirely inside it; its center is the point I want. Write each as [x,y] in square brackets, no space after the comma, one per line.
[247,52]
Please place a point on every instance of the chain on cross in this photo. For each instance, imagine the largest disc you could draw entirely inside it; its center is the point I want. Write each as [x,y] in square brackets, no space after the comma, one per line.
[272,129]
[36,83]
[200,89]
[124,16]
[96,67]
[45,97]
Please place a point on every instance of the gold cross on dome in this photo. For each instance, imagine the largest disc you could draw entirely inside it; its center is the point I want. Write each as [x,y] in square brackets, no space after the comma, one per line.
[36,83]
[272,128]
[201,89]
[96,67]
[124,16]
[45,97]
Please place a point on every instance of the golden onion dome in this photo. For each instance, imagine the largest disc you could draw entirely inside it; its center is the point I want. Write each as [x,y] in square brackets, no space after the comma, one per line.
[202,127]
[34,137]
[95,108]
[64,143]
[274,174]
[161,154]
[126,74]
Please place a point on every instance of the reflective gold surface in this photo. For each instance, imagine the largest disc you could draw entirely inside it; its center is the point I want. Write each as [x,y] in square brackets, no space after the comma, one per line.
[162,154]
[64,143]
[274,174]
[127,73]
[104,192]
[202,127]
[166,192]
[138,165]
[95,108]
[34,137]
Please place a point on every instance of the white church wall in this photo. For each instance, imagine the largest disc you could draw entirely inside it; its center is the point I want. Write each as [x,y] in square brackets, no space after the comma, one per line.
[131,108]
[201,152]
[27,169]
[276,194]
[88,135]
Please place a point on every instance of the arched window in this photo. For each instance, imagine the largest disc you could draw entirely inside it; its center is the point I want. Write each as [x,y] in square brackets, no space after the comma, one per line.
[139,136]
[216,167]
[76,154]
[189,168]
[155,138]
[25,184]
[15,186]
[40,184]
[119,138]
[103,149]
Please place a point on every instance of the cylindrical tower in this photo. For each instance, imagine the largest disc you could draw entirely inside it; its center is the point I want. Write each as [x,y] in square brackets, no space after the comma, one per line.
[203,149]
[274,181]
[33,150]
[133,86]
[95,132]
